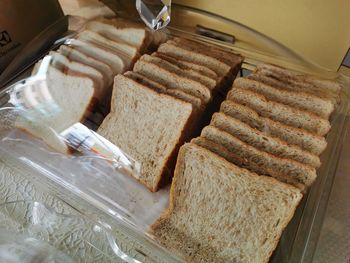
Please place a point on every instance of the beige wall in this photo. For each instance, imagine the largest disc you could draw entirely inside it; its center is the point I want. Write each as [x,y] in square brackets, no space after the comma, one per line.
[316,29]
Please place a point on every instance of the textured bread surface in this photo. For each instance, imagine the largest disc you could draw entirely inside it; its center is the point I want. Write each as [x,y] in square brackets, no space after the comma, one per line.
[282,169]
[262,141]
[222,213]
[301,100]
[173,81]
[181,71]
[205,71]
[147,125]
[196,102]
[280,112]
[294,136]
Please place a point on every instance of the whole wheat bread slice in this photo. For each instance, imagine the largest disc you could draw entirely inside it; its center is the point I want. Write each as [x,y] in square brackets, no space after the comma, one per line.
[221,213]
[262,141]
[287,85]
[285,170]
[294,136]
[173,81]
[318,83]
[300,83]
[177,69]
[78,56]
[203,70]
[224,55]
[196,102]
[300,100]
[280,112]
[220,68]
[148,126]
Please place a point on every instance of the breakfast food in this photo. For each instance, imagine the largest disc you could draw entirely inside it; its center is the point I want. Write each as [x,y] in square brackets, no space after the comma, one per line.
[184,83]
[263,129]
[219,212]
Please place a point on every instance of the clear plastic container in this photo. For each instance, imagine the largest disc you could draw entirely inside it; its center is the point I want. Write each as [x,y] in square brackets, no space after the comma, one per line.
[97,183]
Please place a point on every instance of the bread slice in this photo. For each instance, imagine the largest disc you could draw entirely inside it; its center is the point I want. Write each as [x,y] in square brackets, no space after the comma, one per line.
[300,83]
[135,36]
[196,102]
[148,126]
[173,81]
[280,112]
[294,136]
[282,169]
[78,56]
[220,68]
[221,213]
[224,55]
[101,54]
[203,70]
[300,100]
[288,85]
[318,83]
[262,141]
[181,71]
[67,66]
[73,96]
[128,53]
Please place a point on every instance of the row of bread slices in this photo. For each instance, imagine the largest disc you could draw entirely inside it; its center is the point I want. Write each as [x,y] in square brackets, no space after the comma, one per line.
[80,73]
[272,123]
[160,104]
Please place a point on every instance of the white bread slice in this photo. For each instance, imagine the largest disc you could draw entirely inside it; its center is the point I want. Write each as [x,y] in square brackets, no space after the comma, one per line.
[203,70]
[284,170]
[329,86]
[73,94]
[67,66]
[148,126]
[121,30]
[280,112]
[300,100]
[177,69]
[78,56]
[196,102]
[221,213]
[101,54]
[173,81]
[126,52]
[262,141]
[294,136]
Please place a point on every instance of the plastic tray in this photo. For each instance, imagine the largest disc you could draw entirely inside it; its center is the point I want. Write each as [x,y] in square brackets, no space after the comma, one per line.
[106,195]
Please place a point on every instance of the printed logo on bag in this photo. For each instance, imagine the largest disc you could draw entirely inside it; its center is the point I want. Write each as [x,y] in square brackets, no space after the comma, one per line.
[7,44]
[5,38]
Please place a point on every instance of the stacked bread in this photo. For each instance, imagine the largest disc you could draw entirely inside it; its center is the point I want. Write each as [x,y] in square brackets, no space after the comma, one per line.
[80,73]
[158,105]
[236,186]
